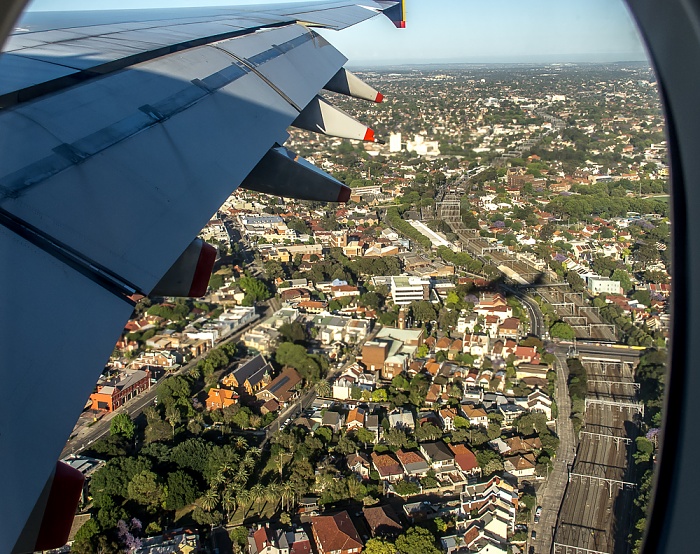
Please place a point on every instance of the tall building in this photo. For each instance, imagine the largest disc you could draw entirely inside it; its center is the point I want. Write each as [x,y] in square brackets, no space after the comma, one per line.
[395,142]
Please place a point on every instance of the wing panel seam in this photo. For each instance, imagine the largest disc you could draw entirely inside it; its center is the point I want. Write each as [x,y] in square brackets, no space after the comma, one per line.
[104,277]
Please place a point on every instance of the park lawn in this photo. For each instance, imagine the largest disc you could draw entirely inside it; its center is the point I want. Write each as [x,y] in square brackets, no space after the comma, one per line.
[257,512]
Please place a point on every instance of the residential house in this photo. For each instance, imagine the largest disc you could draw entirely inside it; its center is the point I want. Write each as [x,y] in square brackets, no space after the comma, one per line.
[387,466]
[382,521]
[520,465]
[439,455]
[476,416]
[219,398]
[413,463]
[465,459]
[334,420]
[359,464]
[510,413]
[268,541]
[372,424]
[356,419]
[523,444]
[509,329]
[282,389]
[335,534]
[402,419]
[447,418]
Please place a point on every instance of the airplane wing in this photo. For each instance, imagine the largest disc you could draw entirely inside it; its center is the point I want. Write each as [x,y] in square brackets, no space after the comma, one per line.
[120,137]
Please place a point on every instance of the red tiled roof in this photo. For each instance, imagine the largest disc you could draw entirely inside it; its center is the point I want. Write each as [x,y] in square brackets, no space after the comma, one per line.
[464,457]
[335,532]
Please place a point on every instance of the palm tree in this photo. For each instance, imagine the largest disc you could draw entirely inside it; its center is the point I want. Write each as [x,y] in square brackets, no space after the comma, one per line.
[196,372]
[287,494]
[218,479]
[273,493]
[172,414]
[323,388]
[241,443]
[210,500]
[241,476]
[228,502]
[257,493]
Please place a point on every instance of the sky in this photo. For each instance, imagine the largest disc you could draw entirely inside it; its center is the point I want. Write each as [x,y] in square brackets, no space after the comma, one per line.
[460,31]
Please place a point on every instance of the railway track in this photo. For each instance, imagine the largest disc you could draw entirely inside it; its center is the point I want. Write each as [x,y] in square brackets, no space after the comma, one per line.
[596,511]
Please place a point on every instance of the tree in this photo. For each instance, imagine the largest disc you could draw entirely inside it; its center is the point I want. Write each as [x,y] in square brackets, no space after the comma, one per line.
[295,355]
[323,388]
[528,501]
[365,436]
[576,282]
[396,438]
[145,489]
[181,490]
[562,330]
[294,332]
[428,431]
[417,540]
[122,425]
[324,433]
[86,538]
[423,311]
[379,546]
[624,278]
[255,289]
[406,488]
[172,414]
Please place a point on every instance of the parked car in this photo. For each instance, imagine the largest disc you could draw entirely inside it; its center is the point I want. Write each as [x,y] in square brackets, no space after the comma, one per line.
[533,535]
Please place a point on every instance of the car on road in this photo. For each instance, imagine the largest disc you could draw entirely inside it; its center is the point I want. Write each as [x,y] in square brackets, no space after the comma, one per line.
[531,550]
[538,514]
[533,535]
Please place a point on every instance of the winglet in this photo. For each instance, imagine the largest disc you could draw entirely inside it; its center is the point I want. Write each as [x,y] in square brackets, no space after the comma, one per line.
[397,14]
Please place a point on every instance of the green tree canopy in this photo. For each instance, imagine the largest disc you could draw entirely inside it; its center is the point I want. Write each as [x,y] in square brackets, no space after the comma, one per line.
[122,425]
[417,540]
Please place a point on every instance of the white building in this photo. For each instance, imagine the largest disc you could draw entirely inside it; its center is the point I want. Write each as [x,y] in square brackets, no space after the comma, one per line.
[423,147]
[406,289]
[603,285]
[395,142]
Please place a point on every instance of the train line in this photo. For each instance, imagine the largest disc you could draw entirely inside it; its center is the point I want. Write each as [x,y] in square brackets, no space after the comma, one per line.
[595,515]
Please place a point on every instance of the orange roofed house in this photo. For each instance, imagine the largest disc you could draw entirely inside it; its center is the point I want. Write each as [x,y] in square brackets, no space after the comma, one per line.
[335,534]
[113,393]
[219,398]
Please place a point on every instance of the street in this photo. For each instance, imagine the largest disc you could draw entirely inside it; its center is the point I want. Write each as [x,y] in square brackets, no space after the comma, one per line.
[87,434]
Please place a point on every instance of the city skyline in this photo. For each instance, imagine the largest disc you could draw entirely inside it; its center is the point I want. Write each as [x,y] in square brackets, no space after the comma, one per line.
[502,31]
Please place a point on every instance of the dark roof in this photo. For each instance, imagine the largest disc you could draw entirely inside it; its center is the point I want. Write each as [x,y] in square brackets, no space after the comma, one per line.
[437,451]
[383,521]
[249,368]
